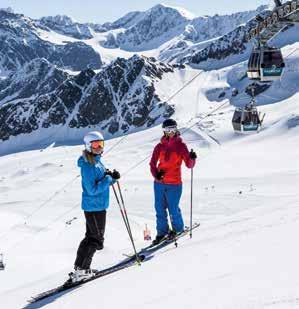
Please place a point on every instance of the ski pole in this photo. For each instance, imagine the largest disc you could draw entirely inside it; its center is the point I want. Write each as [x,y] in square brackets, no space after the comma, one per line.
[123,211]
[191,203]
[126,221]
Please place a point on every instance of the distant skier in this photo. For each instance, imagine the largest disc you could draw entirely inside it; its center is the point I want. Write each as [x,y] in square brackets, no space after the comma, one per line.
[95,200]
[165,167]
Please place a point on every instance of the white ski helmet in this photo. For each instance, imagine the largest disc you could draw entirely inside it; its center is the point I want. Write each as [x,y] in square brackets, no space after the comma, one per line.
[90,137]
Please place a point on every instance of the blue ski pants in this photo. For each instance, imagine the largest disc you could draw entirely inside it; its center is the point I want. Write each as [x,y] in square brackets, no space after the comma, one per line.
[167,197]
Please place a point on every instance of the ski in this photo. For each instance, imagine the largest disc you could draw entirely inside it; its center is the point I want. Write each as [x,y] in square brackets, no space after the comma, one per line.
[97,274]
[143,255]
[146,251]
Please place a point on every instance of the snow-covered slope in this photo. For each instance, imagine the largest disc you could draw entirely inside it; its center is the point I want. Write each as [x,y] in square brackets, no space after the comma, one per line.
[245,197]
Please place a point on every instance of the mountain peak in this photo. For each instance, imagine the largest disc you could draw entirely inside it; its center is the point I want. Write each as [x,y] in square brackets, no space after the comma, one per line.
[7,10]
[60,19]
[183,12]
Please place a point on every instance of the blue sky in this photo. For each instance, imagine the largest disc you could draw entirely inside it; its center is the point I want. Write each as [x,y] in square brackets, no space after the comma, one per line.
[103,11]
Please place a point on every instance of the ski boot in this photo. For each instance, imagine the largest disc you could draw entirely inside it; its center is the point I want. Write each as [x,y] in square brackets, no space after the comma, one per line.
[80,275]
[158,239]
[172,235]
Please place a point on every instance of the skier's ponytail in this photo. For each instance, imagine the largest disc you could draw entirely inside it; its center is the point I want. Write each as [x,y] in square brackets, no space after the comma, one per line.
[89,157]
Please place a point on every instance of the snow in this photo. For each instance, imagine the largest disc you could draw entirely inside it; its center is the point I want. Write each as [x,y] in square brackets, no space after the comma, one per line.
[55,37]
[107,54]
[185,13]
[245,197]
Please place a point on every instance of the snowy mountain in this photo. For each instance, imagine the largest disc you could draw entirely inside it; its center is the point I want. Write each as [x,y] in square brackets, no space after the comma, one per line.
[162,24]
[208,27]
[119,99]
[158,25]
[67,26]
[20,42]
[168,33]
[126,21]
[214,37]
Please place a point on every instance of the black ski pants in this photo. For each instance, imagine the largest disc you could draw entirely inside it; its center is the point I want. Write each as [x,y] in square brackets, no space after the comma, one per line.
[94,238]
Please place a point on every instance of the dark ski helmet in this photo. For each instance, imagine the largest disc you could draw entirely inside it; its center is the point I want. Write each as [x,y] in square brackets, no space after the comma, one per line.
[169,126]
[169,123]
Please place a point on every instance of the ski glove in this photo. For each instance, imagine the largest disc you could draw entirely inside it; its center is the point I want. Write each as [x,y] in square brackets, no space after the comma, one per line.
[115,174]
[192,154]
[160,175]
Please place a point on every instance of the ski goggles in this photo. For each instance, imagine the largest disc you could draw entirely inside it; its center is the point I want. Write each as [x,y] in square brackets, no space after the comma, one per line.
[169,130]
[97,144]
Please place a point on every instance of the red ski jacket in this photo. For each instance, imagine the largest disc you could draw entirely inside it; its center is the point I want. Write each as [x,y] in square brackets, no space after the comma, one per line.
[168,156]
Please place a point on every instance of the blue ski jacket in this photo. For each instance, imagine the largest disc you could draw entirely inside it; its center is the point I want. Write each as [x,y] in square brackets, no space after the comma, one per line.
[95,185]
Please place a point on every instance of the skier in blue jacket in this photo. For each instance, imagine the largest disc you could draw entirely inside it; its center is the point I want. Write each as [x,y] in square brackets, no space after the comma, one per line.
[96,180]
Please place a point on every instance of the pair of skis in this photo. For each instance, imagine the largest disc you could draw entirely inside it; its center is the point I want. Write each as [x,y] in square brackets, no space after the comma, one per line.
[143,255]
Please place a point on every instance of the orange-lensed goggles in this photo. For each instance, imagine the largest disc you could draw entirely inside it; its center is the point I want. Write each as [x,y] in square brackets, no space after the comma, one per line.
[97,144]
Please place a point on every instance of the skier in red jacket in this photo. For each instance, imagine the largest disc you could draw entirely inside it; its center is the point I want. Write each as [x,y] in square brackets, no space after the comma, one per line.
[165,167]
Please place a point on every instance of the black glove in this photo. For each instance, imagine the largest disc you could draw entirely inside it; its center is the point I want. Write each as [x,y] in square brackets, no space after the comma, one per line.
[160,175]
[192,155]
[115,175]
[108,172]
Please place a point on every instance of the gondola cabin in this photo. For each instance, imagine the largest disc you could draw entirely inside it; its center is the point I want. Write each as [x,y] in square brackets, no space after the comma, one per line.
[246,119]
[265,64]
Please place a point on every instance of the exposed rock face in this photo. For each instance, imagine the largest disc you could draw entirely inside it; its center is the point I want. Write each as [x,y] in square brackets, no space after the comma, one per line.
[230,44]
[76,56]
[36,78]
[119,99]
